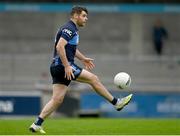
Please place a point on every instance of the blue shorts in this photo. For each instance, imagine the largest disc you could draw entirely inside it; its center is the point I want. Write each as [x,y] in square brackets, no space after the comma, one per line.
[58,73]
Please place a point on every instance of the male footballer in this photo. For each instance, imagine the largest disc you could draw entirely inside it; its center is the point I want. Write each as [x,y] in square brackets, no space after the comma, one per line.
[63,69]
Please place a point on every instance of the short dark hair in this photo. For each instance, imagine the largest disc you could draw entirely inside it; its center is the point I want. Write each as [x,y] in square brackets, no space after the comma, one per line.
[78,10]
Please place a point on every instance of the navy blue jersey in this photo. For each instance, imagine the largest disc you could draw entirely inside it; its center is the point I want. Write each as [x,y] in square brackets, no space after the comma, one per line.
[69,32]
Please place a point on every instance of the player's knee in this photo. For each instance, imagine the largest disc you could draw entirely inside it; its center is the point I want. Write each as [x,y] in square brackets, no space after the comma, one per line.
[57,100]
[94,79]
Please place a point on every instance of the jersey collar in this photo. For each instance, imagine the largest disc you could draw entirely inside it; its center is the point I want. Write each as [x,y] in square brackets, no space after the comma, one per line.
[73,24]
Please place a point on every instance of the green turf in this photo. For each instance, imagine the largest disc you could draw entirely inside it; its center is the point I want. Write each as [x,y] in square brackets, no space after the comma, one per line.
[95,126]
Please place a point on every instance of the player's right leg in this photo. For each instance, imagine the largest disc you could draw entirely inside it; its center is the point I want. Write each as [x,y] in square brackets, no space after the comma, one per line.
[93,80]
[59,91]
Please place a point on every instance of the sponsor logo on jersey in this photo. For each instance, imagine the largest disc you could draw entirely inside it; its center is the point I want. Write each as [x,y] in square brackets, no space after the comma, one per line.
[67,31]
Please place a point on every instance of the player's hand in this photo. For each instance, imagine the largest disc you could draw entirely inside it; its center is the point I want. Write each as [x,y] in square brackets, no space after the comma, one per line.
[88,63]
[69,72]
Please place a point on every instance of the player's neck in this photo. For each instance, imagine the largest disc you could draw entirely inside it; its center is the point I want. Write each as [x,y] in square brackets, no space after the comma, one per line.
[74,21]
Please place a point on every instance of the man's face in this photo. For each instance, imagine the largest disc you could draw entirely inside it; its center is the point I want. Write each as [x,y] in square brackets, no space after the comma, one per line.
[82,19]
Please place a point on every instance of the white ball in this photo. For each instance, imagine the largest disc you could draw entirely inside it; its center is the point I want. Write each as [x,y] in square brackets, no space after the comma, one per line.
[122,80]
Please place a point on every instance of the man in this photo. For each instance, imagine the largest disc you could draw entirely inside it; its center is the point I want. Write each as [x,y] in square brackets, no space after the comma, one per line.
[63,69]
[159,34]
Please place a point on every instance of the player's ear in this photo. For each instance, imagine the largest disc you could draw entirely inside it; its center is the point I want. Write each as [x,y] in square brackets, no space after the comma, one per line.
[76,16]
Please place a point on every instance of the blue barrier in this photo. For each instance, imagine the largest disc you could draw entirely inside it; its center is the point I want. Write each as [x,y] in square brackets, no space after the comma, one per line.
[20,105]
[62,7]
[143,104]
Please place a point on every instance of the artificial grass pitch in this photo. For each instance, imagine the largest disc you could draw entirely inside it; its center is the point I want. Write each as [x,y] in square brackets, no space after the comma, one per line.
[94,126]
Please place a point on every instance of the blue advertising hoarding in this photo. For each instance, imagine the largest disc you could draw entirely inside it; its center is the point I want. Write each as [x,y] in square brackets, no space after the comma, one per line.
[143,104]
[19,104]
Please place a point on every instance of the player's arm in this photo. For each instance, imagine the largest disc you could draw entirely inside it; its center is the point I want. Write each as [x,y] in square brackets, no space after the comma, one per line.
[79,55]
[62,53]
[88,62]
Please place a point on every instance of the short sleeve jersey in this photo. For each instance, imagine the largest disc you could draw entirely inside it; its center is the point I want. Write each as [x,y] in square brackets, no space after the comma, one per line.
[69,32]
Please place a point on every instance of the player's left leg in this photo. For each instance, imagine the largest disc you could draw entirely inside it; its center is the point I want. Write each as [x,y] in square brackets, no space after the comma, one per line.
[93,80]
[59,91]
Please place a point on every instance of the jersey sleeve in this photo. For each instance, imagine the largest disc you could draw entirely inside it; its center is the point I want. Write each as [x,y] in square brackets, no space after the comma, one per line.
[67,34]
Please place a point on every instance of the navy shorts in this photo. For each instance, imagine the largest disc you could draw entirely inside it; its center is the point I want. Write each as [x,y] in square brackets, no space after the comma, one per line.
[58,73]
